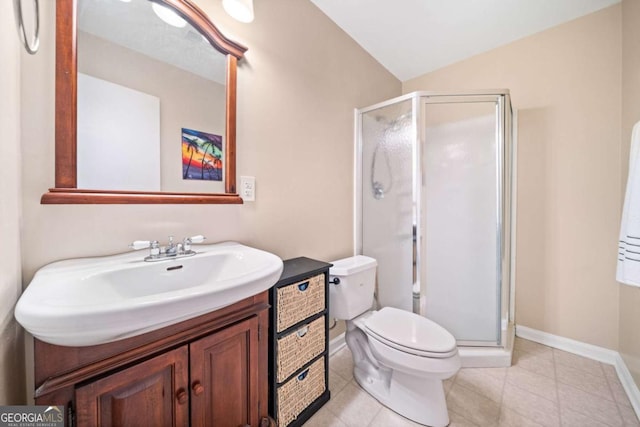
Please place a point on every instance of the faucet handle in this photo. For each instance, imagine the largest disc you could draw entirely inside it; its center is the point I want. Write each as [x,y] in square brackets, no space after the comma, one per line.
[140,244]
[186,243]
[155,249]
[197,239]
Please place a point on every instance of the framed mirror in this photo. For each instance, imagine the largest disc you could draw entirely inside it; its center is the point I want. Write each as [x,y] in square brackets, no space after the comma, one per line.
[145,107]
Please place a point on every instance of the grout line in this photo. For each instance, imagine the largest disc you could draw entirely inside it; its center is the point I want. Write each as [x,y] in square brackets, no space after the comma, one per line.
[555,402]
[377,413]
[476,392]
[504,386]
[586,373]
[534,394]
[556,381]
[504,383]
[340,376]
[588,351]
[628,384]
[464,418]
[613,396]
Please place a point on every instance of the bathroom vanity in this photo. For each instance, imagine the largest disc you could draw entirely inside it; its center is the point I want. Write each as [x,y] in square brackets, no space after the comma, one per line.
[209,370]
[125,342]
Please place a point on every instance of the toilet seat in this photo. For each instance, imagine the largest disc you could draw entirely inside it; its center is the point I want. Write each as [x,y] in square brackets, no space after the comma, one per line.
[410,333]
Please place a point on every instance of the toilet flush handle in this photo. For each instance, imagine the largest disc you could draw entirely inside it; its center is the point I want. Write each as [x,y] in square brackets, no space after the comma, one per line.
[335,281]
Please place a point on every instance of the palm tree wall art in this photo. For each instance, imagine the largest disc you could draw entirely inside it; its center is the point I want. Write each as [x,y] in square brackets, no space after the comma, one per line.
[201,155]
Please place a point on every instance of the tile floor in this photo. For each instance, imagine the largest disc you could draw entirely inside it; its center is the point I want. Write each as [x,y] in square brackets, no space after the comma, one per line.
[544,387]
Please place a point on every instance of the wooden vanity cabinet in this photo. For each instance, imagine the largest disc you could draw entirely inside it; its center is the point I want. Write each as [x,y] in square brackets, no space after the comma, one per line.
[206,371]
[138,395]
[223,383]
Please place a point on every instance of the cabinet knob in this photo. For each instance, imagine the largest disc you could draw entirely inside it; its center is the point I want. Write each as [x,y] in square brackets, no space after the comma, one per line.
[182,396]
[197,388]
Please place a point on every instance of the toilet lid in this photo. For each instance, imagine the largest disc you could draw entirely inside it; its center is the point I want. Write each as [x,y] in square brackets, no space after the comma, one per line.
[411,332]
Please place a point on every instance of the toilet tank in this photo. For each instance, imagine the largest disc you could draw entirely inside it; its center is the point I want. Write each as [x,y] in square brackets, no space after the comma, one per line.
[354,295]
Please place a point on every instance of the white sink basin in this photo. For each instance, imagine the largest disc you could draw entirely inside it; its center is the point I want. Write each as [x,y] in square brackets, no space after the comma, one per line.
[90,301]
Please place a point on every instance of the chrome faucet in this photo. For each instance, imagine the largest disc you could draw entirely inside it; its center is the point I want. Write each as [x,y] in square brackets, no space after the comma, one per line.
[171,251]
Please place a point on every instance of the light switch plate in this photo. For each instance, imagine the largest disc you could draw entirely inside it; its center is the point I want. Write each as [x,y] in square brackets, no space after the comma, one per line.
[248,188]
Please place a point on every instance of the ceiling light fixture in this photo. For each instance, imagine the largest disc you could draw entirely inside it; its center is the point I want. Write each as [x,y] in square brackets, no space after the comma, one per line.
[241,10]
[168,15]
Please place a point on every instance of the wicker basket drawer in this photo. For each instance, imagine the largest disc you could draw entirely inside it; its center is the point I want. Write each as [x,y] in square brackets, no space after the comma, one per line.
[299,392]
[299,347]
[300,300]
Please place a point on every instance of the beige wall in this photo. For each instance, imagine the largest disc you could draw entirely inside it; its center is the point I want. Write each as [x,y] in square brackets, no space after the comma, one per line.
[630,296]
[566,85]
[12,389]
[297,88]
[186,100]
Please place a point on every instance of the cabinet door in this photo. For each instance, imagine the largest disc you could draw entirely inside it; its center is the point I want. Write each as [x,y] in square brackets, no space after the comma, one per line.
[224,377]
[151,393]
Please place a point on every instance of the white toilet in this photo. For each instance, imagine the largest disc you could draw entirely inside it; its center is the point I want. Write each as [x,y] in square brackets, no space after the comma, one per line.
[400,358]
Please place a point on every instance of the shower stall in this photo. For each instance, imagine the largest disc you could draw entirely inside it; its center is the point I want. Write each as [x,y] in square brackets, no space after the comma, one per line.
[434,175]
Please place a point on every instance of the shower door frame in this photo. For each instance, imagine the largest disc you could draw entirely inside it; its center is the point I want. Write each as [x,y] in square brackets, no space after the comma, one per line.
[358,179]
[505,189]
[357,155]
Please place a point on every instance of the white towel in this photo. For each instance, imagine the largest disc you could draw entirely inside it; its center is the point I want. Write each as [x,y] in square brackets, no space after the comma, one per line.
[628,271]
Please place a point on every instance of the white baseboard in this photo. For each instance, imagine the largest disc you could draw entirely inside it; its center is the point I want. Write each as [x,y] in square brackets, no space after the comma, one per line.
[336,344]
[601,354]
[590,351]
[628,384]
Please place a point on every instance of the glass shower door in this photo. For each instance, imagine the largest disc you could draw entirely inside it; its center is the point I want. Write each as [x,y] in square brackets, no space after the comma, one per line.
[461,216]
[388,169]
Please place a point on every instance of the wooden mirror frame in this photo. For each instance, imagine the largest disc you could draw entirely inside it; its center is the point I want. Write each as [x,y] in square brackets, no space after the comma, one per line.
[66,191]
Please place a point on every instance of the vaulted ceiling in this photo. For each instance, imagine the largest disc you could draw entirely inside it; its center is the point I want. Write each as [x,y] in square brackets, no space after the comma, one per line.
[413,37]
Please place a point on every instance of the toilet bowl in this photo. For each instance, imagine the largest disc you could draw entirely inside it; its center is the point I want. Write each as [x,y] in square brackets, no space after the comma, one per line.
[400,358]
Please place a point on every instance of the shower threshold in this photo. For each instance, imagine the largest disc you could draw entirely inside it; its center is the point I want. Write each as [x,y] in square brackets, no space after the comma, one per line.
[489,357]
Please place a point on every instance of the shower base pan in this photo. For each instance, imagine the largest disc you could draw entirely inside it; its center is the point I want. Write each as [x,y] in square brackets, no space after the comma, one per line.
[489,357]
